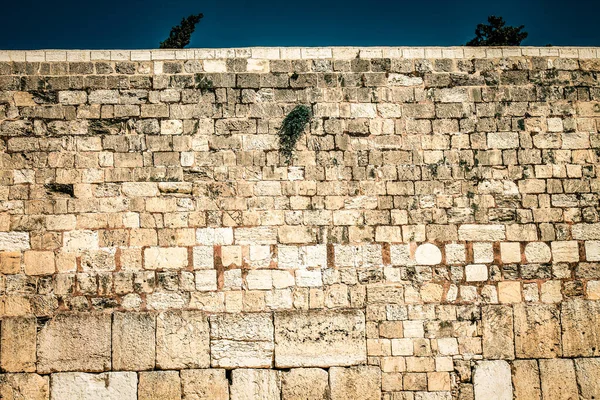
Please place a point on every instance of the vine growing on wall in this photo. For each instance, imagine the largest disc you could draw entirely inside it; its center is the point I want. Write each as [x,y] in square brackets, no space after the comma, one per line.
[292,128]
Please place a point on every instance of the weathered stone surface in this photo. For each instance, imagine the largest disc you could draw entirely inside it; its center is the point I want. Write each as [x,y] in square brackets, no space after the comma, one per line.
[204,384]
[355,383]
[581,328]
[159,385]
[558,379]
[182,340]
[537,331]
[14,241]
[18,344]
[250,384]
[243,340]
[588,377]
[492,380]
[75,342]
[105,386]
[133,341]
[482,233]
[537,252]
[428,254]
[305,384]
[24,387]
[526,380]
[301,338]
[498,336]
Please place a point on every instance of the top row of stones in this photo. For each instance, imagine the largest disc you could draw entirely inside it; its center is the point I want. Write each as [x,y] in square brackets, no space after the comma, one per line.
[291,53]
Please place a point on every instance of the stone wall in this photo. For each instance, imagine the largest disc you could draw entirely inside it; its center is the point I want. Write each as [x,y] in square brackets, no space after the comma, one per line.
[436,235]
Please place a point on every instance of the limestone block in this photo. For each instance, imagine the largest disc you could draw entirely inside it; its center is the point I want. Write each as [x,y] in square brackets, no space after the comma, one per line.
[498,336]
[75,342]
[428,254]
[537,330]
[182,340]
[305,384]
[18,344]
[537,252]
[363,382]
[558,379]
[581,328]
[476,273]
[105,386]
[206,280]
[14,241]
[256,235]
[214,236]
[38,262]
[251,384]
[588,377]
[567,251]
[133,341]
[165,258]
[159,385]
[492,380]
[78,241]
[526,380]
[481,233]
[319,339]
[24,387]
[241,340]
[510,252]
[204,384]
[203,257]
[10,262]
[509,292]
[586,231]
[483,252]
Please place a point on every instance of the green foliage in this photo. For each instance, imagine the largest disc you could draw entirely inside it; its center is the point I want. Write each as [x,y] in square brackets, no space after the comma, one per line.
[180,34]
[497,34]
[292,128]
[203,83]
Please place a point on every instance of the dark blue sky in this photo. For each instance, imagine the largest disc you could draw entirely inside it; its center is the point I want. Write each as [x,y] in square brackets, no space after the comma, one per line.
[128,24]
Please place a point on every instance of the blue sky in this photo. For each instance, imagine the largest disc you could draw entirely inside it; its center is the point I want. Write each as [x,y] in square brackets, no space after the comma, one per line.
[129,24]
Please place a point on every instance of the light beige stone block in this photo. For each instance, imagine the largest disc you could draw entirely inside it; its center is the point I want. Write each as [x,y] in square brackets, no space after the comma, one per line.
[305,384]
[24,387]
[133,341]
[18,344]
[75,342]
[250,384]
[567,251]
[363,382]
[204,384]
[526,380]
[159,385]
[492,380]
[558,379]
[106,386]
[588,377]
[537,331]
[182,340]
[580,328]
[300,338]
[498,335]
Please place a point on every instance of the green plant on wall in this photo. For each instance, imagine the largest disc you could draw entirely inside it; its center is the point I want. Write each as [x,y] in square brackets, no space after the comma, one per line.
[292,128]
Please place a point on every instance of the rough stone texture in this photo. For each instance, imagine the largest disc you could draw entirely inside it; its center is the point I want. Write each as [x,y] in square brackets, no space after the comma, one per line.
[24,387]
[182,340]
[319,339]
[249,384]
[204,384]
[439,211]
[492,380]
[581,328]
[159,385]
[537,331]
[588,377]
[134,341]
[526,380]
[75,342]
[355,383]
[18,345]
[558,379]
[498,332]
[305,384]
[106,386]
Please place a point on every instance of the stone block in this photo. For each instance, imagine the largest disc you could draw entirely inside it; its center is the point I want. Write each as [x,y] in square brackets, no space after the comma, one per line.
[476,273]
[133,341]
[75,342]
[537,330]
[38,262]
[498,335]
[580,328]
[251,384]
[18,344]
[319,339]
[492,380]
[165,258]
[305,384]
[106,386]
[509,292]
[14,241]
[204,384]
[588,377]
[428,254]
[558,379]
[482,233]
[241,340]
[159,385]
[363,382]
[24,387]
[565,251]
[182,340]
[526,380]
[537,252]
